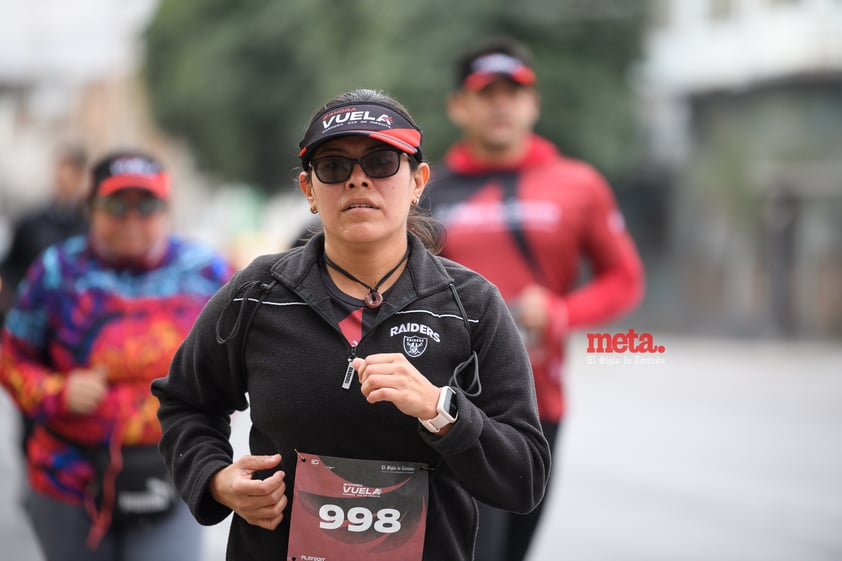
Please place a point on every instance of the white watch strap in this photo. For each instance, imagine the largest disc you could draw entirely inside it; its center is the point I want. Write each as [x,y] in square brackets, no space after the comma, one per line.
[443,418]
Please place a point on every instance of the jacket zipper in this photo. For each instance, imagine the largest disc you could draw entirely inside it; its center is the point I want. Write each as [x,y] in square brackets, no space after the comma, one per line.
[349,370]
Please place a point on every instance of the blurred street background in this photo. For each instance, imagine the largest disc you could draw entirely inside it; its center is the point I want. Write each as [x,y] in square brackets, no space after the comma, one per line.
[717,122]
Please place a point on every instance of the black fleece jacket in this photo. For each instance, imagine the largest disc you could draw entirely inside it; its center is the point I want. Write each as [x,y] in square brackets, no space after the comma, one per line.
[290,376]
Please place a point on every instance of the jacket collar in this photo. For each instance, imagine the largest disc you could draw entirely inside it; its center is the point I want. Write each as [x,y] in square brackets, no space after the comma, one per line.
[298,270]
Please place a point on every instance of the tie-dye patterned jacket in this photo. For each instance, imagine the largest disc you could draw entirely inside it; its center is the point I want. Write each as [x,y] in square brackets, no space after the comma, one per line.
[74,310]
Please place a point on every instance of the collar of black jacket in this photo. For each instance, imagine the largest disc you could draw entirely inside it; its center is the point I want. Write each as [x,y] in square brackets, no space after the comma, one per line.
[298,270]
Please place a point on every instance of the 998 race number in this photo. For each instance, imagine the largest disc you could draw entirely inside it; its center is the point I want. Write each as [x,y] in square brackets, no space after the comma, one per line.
[360,519]
[347,509]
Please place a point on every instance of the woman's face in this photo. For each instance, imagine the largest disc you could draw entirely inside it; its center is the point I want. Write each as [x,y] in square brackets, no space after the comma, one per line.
[363,209]
[129,225]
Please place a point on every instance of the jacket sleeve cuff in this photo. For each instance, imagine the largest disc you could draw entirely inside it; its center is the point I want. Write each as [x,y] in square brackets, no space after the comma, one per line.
[204,507]
[463,434]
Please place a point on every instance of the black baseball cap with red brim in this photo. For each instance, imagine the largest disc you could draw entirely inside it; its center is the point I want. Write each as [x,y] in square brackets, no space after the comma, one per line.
[361,119]
[491,67]
[130,170]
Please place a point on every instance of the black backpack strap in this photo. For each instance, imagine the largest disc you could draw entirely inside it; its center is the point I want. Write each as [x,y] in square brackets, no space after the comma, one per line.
[247,290]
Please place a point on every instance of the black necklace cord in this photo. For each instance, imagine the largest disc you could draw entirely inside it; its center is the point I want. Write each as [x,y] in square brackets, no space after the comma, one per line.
[373,299]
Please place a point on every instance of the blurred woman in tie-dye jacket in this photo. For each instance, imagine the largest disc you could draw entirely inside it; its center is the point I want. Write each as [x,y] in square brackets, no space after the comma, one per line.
[97,318]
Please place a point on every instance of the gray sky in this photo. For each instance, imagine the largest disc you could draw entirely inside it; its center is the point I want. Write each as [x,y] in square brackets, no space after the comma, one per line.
[61,41]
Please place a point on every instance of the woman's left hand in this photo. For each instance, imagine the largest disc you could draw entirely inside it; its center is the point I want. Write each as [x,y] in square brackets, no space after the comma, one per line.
[391,377]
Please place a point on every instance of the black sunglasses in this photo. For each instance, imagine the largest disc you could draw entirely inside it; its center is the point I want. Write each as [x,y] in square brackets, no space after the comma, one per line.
[376,165]
[118,207]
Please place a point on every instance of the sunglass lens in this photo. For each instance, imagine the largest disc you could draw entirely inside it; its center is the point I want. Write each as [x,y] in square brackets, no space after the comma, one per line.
[333,169]
[114,206]
[119,207]
[149,206]
[384,163]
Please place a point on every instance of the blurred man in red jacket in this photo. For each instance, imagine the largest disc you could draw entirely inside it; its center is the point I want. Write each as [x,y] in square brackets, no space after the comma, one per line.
[524,216]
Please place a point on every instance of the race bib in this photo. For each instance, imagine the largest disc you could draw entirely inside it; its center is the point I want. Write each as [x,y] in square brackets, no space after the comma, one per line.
[347,510]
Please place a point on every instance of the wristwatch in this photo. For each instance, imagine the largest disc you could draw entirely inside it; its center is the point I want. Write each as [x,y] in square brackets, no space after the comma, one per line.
[446,407]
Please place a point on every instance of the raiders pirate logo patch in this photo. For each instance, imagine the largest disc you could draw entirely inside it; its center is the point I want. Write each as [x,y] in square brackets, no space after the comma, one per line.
[414,346]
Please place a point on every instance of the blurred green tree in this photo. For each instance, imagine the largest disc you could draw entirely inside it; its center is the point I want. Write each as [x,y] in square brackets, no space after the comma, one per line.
[239,80]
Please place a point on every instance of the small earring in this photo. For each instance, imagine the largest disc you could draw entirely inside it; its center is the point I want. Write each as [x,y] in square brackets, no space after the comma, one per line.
[314,210]
[414,202]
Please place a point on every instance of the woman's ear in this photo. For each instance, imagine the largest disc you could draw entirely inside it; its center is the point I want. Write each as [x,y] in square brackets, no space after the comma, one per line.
[421,176]
[305,185]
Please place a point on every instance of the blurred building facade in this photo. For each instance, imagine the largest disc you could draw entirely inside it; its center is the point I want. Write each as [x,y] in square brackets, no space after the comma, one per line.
[742,100]
[67,73]
[71,72]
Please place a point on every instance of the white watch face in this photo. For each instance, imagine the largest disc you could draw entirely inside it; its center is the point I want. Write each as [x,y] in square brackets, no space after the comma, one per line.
[447,404]
[447,411]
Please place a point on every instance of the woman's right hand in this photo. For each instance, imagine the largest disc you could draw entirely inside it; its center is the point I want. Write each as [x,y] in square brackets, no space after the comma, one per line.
[260,502]
[85,389]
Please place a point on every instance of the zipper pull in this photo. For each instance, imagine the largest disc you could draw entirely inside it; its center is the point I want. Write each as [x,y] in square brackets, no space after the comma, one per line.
[349,371]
